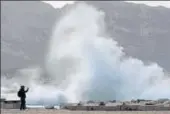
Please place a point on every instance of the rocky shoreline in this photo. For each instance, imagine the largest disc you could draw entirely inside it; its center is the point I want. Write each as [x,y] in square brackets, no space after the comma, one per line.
[133,105]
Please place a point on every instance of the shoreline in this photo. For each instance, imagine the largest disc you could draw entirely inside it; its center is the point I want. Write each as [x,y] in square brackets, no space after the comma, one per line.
[54,111]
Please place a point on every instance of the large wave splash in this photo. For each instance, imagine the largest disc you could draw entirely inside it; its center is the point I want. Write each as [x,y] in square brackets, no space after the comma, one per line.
[84,63]
[89,65]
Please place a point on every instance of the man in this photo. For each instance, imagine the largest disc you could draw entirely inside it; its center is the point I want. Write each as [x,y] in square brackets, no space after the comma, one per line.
[22,95]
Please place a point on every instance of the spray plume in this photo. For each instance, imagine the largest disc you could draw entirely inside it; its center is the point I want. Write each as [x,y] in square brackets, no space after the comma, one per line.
[91,66]
[84,63]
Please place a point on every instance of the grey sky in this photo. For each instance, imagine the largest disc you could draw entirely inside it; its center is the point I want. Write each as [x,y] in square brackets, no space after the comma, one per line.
[59,4]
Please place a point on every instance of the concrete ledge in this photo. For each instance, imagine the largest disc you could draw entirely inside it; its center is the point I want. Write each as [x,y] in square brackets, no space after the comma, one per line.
[10,104]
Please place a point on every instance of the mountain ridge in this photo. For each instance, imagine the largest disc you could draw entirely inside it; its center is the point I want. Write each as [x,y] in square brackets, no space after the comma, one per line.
[141,30]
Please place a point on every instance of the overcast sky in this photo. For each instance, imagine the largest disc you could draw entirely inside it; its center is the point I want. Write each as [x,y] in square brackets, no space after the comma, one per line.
[59,4]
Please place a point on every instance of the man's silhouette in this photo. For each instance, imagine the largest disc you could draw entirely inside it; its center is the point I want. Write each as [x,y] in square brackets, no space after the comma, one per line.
[22,95]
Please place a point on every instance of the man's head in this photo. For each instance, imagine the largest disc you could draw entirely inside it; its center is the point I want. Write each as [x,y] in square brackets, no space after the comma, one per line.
[22,87]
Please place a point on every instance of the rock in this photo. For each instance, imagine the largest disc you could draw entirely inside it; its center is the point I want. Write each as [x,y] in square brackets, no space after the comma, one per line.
[90,102]
[151,103]
[101,104]
[113,101]
[79,104]
[167,102]
[49,107]
[133,101]
[162,100]
[141,100]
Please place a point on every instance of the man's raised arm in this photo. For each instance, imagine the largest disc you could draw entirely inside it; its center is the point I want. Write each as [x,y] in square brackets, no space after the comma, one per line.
[27,90]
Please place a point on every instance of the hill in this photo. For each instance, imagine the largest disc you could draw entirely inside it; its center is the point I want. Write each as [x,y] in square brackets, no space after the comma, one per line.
[26,27]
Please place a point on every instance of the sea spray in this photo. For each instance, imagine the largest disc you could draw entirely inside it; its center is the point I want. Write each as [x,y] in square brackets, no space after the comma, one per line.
[106,72]
[84,63]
